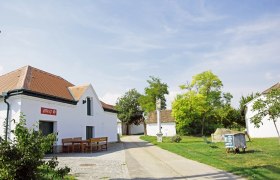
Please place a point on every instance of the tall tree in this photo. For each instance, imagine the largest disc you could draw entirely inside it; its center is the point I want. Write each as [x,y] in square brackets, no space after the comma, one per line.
[207,86]
[267,106]
[186,108]
[156,89]
[129,110]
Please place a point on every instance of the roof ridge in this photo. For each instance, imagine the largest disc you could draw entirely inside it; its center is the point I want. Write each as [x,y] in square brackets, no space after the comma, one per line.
[12,71]
[21,77]
[27,77]
[272,87]
[50,74]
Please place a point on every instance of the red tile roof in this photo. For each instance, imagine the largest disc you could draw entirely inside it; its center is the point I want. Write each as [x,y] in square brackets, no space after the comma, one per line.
[38,81]
[275,86]
[108,107]
[165,117]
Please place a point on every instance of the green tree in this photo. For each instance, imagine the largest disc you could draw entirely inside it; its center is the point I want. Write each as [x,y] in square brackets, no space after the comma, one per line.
[242,104]
[206,87]
[267,106]
[186,108]
[209,85]
[23,157]
[129,110]
[156,89]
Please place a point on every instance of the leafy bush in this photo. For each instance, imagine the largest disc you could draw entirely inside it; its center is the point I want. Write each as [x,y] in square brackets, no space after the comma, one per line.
[22,158]
[176,139]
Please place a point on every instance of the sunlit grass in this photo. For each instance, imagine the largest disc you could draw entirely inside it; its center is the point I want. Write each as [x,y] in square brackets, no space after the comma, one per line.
[260,161]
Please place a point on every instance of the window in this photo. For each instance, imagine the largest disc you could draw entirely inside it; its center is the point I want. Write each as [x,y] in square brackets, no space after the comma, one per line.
[89,106]
[89,132]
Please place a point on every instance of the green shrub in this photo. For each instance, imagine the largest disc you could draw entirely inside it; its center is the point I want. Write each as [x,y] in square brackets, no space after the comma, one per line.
[22,158]
[176,139]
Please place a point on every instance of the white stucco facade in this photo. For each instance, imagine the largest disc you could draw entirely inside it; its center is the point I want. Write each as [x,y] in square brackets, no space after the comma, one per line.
[267,129]
[167,129]
[69,121]
[136,129]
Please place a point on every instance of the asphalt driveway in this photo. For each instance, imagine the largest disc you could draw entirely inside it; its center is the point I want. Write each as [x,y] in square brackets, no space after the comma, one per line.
[138,159]
[146,161]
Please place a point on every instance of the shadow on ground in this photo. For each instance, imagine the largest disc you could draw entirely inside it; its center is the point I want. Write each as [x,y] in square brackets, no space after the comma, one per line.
[220,175]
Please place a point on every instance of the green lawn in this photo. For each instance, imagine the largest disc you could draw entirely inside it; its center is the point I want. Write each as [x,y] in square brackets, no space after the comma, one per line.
[260,161]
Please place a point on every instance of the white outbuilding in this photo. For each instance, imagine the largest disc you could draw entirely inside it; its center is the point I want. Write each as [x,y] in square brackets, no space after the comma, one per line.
[267,128]
[57,105]
[168,125]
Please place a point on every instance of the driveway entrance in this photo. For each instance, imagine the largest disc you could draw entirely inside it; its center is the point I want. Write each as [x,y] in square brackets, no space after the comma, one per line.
[146,161]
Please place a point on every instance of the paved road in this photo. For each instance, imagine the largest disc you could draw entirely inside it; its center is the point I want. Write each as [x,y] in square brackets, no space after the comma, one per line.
[98,165]
[145,161]
[137,159]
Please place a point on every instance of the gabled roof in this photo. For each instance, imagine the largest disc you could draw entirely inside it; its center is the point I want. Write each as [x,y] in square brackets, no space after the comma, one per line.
[78,91]
[165,117]
[108,107]
[275,86]
[39,83]
[35,80]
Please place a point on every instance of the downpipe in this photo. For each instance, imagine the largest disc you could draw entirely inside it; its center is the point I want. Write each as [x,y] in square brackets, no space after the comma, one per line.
[7,117]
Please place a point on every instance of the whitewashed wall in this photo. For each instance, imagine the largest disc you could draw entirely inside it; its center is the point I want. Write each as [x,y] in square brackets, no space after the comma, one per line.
[3,113]
[14,113]
[168,129]
[70,121]
[265,130]
[119,127]
[136,129]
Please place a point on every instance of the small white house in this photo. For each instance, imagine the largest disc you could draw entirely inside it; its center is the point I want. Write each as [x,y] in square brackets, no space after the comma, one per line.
[168,125]
[267,129]
[55,104]
[132,128]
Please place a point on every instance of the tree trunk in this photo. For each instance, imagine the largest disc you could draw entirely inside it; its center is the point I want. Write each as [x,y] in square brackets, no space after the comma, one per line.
[277,131]
[202,125]
[145,127]
[127,129]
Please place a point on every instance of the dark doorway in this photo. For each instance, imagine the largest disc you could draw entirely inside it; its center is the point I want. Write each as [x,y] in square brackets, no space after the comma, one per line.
[89,132]
[46,128]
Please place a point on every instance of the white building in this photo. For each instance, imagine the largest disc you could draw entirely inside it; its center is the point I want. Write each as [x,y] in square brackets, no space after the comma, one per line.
[168,125]
[132,128]
[267,129]
[58,106]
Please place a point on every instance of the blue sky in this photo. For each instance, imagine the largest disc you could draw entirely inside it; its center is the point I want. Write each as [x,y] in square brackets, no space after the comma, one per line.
[117,44]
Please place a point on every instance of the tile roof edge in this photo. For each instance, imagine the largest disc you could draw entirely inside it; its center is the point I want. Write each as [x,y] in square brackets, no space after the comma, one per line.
[270,88]
[72,87]
[39,94]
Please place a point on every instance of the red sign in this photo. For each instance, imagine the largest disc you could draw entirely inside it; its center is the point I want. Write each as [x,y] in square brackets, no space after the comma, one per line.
[48,111]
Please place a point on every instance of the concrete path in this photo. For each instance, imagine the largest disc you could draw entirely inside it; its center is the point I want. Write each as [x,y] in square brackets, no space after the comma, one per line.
[98,165]
[146,161]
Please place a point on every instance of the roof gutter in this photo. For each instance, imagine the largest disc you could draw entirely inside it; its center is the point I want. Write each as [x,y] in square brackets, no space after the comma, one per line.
[6,96]
[40,95]
[110,110]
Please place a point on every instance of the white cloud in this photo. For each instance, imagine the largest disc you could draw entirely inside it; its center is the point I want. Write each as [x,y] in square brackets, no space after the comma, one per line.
[263,26]
[110,98]
[133,43]
[173,92]
[272,76]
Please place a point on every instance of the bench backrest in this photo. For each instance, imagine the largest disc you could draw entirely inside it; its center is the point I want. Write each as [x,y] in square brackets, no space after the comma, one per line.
[99,139]
[77,138]
[67,140]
